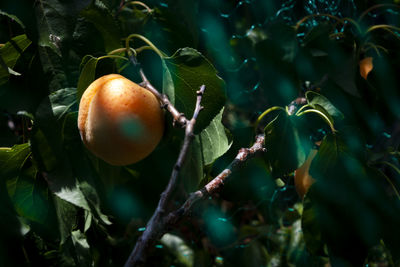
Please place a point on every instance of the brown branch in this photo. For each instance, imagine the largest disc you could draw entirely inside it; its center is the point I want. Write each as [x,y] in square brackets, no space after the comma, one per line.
[156,225]
[217,183]
[163,98]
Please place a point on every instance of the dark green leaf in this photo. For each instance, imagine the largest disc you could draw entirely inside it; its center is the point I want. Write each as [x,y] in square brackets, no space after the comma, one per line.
[30,199]
[287,144]
[87,76]
[101,17]
[86,176]
[67,215]
[189,70]
[13,18]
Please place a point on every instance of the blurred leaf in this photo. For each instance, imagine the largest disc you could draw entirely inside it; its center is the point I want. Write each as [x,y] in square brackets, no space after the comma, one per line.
[179,23]
[101,17]
[179,248]
[10,53]
[315,99]
[214,142]
[189,70]
[286,143]
[311,230]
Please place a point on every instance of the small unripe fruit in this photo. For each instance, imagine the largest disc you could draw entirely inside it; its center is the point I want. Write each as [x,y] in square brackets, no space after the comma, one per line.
[366,67]
[302,178]
[119,121]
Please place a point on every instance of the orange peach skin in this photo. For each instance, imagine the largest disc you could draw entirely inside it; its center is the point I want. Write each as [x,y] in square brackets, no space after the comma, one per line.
[119,121]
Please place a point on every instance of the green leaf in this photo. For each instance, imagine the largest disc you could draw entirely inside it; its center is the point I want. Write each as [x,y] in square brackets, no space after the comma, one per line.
[101,17]
[287,144]
[189,70]
[55,23]
[30,199]
[62,101]
[10,53]
[12,160]
[214,141]
[64,185]
[87,76]
[88,73]
[315,100]
[13,18]
[67,215]
[82,248]
[82,168]
[183,253]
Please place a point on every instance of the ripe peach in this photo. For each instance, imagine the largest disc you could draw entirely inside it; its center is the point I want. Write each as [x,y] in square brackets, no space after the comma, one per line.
[119,121]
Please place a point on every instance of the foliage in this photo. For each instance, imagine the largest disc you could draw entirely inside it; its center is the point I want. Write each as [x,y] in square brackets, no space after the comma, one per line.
[289,69]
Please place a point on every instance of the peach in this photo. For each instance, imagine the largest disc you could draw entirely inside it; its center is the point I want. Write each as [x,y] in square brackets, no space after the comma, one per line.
[119,121]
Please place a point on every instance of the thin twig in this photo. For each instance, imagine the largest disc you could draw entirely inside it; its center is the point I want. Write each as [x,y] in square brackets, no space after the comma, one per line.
[162,98]
[217,183]
[156,225]
[165,103]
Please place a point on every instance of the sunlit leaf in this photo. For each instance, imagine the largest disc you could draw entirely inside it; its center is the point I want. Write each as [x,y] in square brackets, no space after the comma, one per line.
[214,141]
[12,159]
[10,53]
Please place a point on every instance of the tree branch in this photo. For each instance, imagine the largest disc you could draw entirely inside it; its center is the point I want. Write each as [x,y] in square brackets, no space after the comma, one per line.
[163,98]
[217,183]
[156,225]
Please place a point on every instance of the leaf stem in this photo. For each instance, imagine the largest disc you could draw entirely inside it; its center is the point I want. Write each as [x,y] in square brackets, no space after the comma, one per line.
[327,120]
[376,7]
[147,41]
[137,3]
[341,20]
[302,107]
[265,113]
